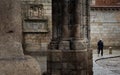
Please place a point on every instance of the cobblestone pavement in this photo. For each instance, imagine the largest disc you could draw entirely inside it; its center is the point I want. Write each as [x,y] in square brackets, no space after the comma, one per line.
[108,64]
[113,64]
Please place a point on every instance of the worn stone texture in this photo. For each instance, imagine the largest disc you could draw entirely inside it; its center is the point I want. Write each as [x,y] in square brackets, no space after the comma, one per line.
[10,29]
[35,42]
[69,62]
[36,39]
[64,45]
[72,33]
[107,2]
[42,61]
[19,66]
[79,45]
[12,59]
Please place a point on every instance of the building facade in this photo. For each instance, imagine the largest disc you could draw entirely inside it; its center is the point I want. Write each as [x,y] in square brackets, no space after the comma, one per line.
[37,25]
[68,26]
[105,22]
[37,29]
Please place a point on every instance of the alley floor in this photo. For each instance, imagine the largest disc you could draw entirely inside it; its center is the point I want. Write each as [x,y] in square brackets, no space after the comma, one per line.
[108,64]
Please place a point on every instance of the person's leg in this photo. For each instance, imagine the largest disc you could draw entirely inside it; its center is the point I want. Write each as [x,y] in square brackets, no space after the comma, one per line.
[98,51]
[101,51]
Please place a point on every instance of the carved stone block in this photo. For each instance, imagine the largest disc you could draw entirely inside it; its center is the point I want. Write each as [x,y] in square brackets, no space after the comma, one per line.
[78,45]
[57,56]
[64,45]
[73,62]
[68,56]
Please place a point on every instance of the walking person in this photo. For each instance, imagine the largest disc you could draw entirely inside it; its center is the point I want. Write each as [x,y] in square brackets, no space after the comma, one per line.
[100,45]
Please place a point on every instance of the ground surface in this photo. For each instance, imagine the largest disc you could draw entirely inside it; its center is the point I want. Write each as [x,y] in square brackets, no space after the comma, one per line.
[112,64]
[108,64]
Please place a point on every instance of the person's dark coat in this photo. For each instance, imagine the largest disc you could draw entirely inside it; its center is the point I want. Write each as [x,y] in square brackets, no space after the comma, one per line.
[100,44]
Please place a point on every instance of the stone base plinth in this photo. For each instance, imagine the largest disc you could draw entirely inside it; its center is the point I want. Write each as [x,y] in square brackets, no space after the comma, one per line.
[79,45]
[19,66]
[53,45]
[64,45]
[69,62]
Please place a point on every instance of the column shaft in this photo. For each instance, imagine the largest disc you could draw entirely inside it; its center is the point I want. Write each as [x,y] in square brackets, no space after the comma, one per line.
[64,43]
[77,19]
[53,44]
[78,43]
[65,33]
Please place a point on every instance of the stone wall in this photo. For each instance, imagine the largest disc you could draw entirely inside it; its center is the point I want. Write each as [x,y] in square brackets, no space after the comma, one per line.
[105,24]
[37,31]
[107,2]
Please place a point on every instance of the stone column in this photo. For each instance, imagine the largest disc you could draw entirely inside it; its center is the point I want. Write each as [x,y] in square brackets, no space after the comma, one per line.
[70,62]
[64,44]
[84,17]
[77,19]
[78,43]
[53,44]
[88,21]
[12,59]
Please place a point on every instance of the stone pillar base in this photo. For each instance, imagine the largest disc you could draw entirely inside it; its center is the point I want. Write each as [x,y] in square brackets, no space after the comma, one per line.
[79,45]
[19,66]
[69,62]
[64,45]
[53,45]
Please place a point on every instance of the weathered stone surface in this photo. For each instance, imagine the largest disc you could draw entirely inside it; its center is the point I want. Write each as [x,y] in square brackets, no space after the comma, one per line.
[35,43]
[57,56]
[107,2]
[65,21]
[69,56]
[64,45]
[10,28]
[38,32]
[42,61]
[19,66]
[79,45]
[73,62]
[72,48]
[12,59]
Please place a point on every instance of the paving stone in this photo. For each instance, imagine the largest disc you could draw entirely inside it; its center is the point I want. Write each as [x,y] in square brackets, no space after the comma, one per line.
[100,70]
